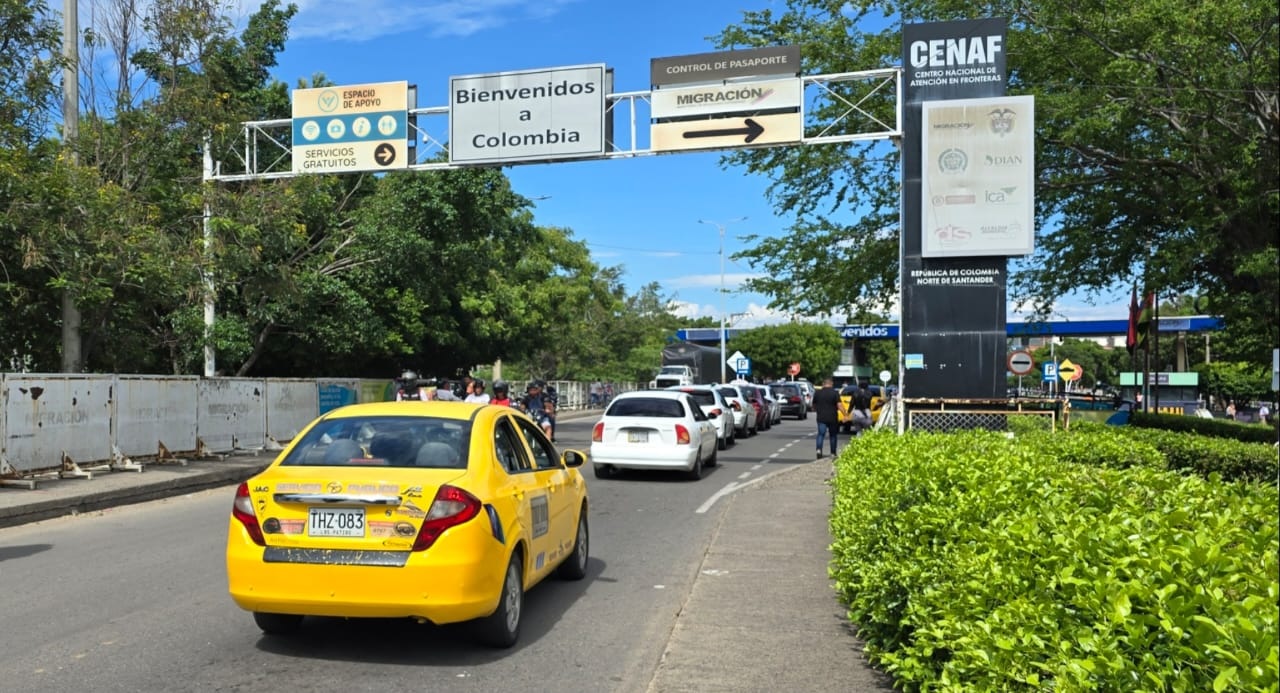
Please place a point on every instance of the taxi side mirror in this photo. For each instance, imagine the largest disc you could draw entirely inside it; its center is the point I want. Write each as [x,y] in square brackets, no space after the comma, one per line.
[573,458]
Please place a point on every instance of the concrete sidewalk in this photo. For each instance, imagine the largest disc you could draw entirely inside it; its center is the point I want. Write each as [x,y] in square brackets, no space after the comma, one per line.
[57,497]
[762,614]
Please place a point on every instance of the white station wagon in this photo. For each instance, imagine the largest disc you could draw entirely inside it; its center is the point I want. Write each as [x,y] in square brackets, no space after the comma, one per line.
[653,429]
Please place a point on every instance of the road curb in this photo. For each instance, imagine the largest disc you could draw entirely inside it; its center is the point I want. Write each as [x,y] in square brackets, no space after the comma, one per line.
[126,495]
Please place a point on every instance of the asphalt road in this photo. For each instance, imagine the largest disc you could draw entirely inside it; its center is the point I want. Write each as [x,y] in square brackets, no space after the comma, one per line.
[135,599]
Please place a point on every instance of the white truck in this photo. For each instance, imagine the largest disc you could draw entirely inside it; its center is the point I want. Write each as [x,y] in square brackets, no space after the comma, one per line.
[686,363]
[669,376]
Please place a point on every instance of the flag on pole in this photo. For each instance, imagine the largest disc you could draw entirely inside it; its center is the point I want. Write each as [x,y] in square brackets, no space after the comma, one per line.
[1131,339]
[1145,317]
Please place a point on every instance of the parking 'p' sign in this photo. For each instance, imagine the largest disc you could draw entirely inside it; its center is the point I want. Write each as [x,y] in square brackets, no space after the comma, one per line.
[1020,362]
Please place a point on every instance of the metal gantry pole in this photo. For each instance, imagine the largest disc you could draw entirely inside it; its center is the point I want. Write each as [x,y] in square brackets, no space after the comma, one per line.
[724,359]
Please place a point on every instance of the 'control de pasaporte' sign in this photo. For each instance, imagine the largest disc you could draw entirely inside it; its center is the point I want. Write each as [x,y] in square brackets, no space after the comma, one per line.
[712,67]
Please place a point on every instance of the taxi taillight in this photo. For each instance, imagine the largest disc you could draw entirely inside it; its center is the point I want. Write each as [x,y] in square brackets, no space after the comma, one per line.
[597,432]
[736,406]
[682,435]
[451,507]
[242,510]
[716,412]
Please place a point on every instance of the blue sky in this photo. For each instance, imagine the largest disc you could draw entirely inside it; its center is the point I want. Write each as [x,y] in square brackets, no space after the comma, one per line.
[640,213]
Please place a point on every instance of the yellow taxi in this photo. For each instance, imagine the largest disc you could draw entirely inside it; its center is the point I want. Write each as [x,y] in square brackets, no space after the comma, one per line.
[877,404]
[438,511]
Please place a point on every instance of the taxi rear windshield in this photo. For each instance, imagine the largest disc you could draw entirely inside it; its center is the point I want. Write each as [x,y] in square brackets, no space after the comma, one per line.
[384,441]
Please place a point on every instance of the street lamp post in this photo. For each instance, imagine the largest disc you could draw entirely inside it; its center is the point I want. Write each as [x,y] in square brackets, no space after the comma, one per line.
[724,359]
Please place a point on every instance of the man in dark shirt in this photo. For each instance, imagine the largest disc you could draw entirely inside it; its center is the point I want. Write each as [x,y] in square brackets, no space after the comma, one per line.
[828,409]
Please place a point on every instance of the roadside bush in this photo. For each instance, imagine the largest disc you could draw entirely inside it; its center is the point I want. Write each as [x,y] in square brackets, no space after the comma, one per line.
[1231,459]
[1218,428]
[975,562]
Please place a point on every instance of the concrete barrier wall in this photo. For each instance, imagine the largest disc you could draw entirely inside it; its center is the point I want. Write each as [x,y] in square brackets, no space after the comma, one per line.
[232,413]
[43,416]
[151,410]
[291,405]
[47,415]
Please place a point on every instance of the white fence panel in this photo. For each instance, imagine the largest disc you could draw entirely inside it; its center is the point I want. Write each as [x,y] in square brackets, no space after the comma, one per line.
[152,409]
[231,413]
[49,414]
[291,405]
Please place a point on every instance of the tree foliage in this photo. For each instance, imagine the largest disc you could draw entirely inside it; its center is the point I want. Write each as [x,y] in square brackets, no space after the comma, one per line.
[1234,380]
[343,275]
[1156,155]
[773,348]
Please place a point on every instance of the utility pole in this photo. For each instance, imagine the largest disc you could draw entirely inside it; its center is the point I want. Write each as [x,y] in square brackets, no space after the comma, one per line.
[71,358]
[724,359]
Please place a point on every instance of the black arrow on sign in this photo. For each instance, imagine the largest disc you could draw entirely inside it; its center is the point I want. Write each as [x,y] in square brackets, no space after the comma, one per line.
[385,154]
[752,131]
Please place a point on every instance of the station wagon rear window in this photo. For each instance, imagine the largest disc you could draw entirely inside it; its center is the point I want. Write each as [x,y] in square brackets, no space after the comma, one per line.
[704,398]
[384,441]
[660,408]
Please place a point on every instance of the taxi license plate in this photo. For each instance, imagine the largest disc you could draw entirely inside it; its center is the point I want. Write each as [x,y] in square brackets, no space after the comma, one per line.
[637,436]
[336,522]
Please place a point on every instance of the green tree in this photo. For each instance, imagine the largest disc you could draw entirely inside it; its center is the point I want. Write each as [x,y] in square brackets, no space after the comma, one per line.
[1234,380]
[772,348]
[1156,154]
[30,45]
[1101,366]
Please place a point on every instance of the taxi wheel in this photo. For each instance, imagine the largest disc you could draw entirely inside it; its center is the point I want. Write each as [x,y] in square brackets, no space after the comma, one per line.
[603,471]
[722,444]
[714,459]
[277,624]
[501,629]
[575,565]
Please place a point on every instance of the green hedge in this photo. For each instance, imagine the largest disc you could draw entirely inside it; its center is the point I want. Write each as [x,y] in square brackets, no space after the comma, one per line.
[1232,460]
[979,562]
[1218,428]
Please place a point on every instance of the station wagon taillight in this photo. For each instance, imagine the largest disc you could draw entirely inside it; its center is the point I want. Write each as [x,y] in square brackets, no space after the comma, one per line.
[451,507]
[682,435]
[242,510]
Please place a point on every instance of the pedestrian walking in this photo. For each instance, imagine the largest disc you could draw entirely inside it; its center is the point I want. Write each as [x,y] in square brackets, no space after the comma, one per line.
[829,410]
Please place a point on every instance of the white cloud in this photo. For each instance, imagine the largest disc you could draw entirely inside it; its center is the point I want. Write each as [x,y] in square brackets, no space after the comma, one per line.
[690,310]
[343,20]
[732,282]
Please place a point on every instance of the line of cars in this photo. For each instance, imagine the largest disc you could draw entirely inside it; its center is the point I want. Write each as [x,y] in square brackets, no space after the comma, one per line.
[636,432]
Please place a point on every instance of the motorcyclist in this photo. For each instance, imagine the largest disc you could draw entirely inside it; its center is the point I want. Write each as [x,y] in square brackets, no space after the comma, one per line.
[445,392]
[477,393]
[541,408]
[408,388]
[501,393]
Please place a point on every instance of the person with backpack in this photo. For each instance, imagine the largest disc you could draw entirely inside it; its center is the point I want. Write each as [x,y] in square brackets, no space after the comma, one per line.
[861,405]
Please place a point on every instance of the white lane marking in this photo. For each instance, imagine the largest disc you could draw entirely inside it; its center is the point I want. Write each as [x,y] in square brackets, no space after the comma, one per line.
[716,496]
[734,486]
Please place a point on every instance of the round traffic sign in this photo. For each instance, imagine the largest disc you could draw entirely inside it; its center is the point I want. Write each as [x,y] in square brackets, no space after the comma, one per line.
[1020,362]
[885,376]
